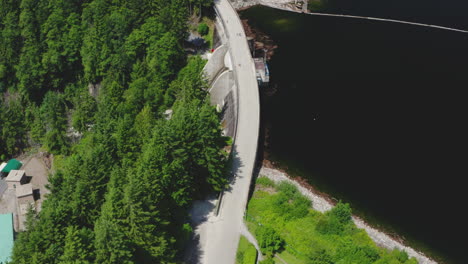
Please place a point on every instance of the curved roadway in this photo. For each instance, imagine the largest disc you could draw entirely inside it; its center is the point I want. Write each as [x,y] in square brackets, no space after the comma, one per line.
[219,235]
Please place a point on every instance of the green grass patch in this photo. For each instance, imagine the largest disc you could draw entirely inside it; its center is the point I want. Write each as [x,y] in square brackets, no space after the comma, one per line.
[266,182]
[289,258]
[209,36]
[246,252]
[284,223]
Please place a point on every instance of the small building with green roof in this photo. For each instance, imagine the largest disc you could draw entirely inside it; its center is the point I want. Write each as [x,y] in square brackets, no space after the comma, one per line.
[6,237]
[12,164]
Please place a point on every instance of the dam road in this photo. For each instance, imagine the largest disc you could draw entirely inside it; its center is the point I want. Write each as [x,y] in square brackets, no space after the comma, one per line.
[219,235]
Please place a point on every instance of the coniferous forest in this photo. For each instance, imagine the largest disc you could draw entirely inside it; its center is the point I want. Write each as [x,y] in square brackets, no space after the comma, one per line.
[90,81]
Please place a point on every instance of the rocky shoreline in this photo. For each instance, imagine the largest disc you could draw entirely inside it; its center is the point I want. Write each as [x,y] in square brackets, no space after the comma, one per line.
[281,4]
[322,202]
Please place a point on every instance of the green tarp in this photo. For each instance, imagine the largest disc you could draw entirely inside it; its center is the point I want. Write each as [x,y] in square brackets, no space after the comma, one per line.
[12,165]
[6,237]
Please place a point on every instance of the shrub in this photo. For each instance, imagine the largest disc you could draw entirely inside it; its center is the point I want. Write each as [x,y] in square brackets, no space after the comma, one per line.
[270,242]
[299,207]
[320,257]
[290,203]
[350,252]
[411,261]
[341,212]
[329,226]
[265,182]
[288,189]
[401,256]
[203,29]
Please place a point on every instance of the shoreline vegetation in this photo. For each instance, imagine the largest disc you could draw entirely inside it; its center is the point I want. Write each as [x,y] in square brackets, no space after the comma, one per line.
[322,202]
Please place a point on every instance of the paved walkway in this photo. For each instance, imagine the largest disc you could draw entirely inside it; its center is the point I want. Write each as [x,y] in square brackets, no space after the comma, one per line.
[218,236]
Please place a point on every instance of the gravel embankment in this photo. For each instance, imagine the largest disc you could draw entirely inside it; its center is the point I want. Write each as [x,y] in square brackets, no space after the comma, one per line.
[282,4]
[321,204]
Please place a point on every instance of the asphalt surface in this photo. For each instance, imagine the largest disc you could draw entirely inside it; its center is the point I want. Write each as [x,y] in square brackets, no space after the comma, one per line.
[218,236]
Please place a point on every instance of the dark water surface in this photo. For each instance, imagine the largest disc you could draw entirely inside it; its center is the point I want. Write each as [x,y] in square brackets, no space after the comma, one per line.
[375,114]
[449,13]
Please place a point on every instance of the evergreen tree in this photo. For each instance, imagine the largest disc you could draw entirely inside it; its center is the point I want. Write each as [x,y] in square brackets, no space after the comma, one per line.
[53,114]
[78,247]
[121,193]
[112,242]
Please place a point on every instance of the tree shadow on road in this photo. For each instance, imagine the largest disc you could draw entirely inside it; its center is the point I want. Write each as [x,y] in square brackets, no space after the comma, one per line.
[199,213]
[235,169]
[202,210]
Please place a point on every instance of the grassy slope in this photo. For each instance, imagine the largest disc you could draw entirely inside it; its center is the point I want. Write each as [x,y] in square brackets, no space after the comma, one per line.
[302,234]
[246,252]
[209,37]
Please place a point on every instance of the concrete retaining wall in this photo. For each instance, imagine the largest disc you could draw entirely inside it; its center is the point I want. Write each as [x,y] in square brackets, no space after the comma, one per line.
[221,87]
[216,63]
[223,90]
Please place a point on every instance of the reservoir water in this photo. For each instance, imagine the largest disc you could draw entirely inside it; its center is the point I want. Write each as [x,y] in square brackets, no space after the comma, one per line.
[375,114]
[449,13]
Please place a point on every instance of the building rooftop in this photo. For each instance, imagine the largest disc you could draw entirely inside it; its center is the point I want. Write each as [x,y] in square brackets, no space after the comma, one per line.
[15,176]
[2,166]
[12,164]
[6,237]
[261,70]
[24,190]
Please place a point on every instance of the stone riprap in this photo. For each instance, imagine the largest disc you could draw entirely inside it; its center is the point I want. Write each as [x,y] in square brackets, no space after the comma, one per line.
[283,4]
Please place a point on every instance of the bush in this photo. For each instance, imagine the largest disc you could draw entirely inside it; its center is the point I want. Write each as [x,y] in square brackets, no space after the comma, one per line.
[270,242]
[288,189]
[350,252]
[203,29]
[264,181]
[400,255]
[299,207]
[290,203]
[329,226]
[320,257]
[341,212]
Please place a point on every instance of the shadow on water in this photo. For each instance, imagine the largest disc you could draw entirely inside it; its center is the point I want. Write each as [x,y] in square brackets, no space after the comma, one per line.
[373,113]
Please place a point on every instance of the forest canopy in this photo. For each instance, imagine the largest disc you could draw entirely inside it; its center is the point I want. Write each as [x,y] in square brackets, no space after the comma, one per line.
[90,81]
